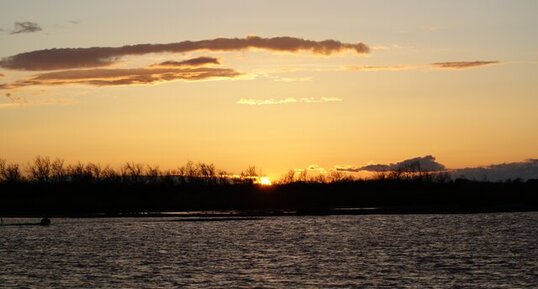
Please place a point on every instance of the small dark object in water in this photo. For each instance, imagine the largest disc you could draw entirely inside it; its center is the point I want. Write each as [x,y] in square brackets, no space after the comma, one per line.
[45,222]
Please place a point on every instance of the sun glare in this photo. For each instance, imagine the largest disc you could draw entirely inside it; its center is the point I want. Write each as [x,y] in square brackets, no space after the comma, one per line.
[265,181]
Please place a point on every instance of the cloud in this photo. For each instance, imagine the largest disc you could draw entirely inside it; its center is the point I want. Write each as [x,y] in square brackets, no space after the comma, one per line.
[107,77]
[198,61]
[424,164]
[316,168]
[525,170]
[437,65]
[252,101]
[2,75]
[15,99]
[382,67]
[276,74]
[25,27]
[67,58]
[498,172]
[290,79]
[463,64]
[389,47]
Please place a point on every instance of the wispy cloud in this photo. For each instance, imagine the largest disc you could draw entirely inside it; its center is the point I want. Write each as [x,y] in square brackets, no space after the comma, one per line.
[270,101]
[275,77]
[68,58]
[463,64]
[15,99]
[25,27]
[291,79]
[108,77]
[193,62]
[389,47]
[311,170]
[316,168]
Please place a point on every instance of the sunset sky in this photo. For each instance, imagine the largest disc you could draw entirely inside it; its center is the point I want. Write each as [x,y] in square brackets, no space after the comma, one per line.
[238,83]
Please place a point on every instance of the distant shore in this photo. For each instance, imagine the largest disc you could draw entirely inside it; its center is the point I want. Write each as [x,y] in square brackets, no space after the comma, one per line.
[235,214]
[414,194]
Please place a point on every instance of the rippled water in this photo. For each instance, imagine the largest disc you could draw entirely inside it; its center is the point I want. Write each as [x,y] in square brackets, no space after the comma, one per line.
[391,251]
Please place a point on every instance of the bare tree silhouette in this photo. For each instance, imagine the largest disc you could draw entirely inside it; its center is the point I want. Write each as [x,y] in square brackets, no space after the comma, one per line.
[40,170]
[132,172]
[287,178]
[10,173]
[58,170]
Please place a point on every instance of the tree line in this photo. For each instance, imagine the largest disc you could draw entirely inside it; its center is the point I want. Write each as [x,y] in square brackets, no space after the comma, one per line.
[51,187]
[44,170]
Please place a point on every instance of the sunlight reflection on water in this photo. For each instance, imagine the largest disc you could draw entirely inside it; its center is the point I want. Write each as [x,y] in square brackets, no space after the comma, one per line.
[374,251]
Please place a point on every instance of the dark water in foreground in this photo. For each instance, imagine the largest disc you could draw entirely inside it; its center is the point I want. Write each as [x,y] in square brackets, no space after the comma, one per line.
[375,251]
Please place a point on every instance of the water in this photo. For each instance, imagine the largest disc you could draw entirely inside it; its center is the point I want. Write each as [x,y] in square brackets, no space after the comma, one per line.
[392,251]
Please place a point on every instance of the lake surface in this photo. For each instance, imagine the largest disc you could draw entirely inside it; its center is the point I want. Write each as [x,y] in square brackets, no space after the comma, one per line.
[497,250]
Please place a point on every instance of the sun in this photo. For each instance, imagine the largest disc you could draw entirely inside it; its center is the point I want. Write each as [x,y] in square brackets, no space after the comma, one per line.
[265,181]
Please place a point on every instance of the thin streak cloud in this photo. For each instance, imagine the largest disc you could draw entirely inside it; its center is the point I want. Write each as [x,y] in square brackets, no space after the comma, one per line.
[193,62]
[271,101]
[463,64]
[69,58]
[382,67]
[436,65]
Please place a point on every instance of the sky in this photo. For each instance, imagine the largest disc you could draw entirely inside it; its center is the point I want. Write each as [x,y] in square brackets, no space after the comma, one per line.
[277,84]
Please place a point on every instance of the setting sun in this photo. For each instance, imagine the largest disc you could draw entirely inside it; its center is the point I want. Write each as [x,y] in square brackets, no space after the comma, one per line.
[265,181]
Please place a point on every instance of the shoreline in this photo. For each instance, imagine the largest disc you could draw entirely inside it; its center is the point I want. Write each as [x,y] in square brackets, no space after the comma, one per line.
[275,213]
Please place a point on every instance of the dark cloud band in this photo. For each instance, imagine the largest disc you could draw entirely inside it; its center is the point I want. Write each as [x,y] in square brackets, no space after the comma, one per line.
[499,172]
[524,170]
[68,58]
[423,164]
